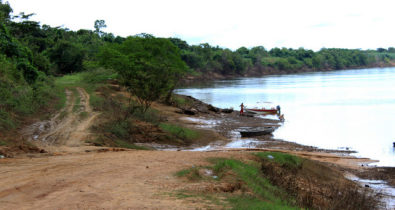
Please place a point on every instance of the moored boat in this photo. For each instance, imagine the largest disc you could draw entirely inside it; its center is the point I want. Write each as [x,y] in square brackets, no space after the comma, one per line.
[261,111]
[257,132]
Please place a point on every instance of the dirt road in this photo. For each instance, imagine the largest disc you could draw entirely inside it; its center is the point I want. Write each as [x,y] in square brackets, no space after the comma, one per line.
[108,180]
[68,129]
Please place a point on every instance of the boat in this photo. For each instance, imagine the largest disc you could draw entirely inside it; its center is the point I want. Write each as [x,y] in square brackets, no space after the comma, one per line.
[257,132]
[261,111]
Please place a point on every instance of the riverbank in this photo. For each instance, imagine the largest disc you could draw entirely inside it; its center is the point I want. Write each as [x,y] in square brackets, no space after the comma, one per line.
[260,72]
[82,175]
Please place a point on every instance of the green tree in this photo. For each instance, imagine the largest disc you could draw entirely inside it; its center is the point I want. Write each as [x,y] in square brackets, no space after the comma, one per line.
[99,25]
[5,11]
[149,67]
[67,56]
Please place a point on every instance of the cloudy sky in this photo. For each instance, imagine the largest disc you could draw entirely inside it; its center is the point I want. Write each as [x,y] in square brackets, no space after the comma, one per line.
[311,24]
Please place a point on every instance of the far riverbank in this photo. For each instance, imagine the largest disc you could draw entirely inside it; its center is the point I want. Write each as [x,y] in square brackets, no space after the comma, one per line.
[267,71]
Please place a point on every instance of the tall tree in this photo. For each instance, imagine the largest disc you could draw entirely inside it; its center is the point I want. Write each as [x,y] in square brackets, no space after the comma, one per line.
[149,67]
[99,25]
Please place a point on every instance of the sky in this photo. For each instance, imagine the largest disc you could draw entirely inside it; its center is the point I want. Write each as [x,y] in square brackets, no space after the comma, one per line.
[311,24]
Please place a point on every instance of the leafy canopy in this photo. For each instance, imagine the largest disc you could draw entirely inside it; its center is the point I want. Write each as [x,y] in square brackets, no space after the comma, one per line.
[149,67]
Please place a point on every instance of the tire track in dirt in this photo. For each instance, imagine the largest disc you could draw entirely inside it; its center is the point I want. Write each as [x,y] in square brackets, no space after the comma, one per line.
[67,128]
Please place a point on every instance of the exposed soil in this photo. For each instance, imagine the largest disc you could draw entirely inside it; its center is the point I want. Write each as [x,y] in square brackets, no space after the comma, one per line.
[104,180]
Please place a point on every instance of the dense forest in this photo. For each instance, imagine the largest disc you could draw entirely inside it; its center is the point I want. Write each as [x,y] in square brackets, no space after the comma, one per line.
[32,54]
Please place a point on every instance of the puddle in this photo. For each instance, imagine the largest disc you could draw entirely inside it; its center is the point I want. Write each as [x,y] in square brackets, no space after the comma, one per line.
[243,143]
[268,116]
[378,186]
[236,143]
[203,123]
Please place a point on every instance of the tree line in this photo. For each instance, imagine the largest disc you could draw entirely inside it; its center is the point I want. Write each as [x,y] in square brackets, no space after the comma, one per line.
[31,55]
[204,58]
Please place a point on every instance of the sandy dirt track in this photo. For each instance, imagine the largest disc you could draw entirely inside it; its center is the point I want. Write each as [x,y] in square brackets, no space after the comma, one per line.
[108,180]
[68,129]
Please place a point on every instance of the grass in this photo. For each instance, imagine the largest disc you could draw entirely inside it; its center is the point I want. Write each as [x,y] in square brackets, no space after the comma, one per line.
[77,102]
[281,158]
[264,194]
[3,143]
[179,132]
[89,80]
[191,173]
[180,101]
[273,181]
[83,115]
[63,114]
[151,115]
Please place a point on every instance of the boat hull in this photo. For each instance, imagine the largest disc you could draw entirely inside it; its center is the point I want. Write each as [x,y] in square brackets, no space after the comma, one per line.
[257,132]
[262,111]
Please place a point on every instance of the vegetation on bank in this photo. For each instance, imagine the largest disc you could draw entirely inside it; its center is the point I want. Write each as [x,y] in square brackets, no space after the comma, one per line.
[273,180]
[33,55]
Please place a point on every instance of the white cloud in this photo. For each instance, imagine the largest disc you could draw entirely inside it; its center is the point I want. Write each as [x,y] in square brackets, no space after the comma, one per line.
[312,24]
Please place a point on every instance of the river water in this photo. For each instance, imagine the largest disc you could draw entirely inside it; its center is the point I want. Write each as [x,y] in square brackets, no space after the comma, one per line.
[348,109]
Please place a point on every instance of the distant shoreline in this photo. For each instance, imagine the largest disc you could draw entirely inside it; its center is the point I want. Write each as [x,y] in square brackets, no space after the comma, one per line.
[210,76]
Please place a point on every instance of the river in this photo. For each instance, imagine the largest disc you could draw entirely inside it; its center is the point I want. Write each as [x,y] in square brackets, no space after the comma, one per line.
[347,109]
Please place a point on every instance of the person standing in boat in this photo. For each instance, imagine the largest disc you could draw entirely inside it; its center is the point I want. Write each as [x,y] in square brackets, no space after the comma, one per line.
[278,110]
[241,109]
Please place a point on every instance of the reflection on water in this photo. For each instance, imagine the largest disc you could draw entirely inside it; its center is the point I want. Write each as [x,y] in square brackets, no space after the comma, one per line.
[353,108]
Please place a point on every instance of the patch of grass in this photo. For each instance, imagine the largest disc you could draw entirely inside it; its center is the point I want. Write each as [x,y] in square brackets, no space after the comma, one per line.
[63,114]
[120,129]
[266,195]
[151,115]
[6,122]
[96,102]
[125,144]
[251,202]
[281,158]
[180,101]
[61,96]
[99,75]
[191,173]
[77,102]
[89,80]
[83,115]
[180,132]
[3,143]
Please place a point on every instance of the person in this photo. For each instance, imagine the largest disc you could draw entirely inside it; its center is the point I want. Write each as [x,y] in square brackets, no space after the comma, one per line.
[281,118]
[241,109]
[278,109]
